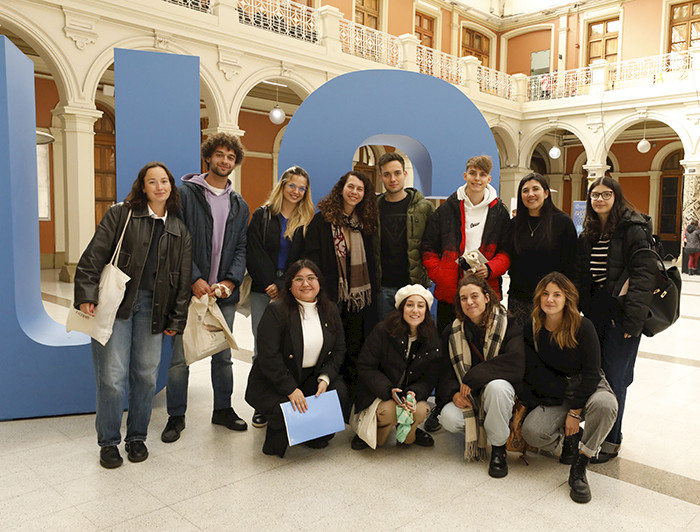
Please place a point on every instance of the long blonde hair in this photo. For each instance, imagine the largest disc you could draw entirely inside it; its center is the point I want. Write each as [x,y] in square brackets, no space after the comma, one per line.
[565,335]
[303,211]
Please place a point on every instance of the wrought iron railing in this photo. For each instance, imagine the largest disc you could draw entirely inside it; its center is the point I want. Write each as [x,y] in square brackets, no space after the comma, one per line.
[554,85]
[495,82]
[198,5]
[438,64]
[280,16]
[368,43]
[645,70]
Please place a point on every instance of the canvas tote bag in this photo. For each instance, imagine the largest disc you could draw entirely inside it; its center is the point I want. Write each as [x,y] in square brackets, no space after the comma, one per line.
[110,295]
[206,332]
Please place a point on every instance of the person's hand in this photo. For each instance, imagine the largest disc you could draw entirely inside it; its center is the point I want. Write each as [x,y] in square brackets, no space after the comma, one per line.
[481,271]
[298,401]
[88,308]
[322,387]
[464,390]
[461,402]
[228,284]
[627,335]
[393,395]
[201,287]
[169,332]
[572,425]
[407,405]
[272,291]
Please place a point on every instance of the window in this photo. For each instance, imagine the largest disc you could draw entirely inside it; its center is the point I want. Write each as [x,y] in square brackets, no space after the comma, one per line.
[602,40]
[367,13]
[685,26]
[424,29]
[476,44]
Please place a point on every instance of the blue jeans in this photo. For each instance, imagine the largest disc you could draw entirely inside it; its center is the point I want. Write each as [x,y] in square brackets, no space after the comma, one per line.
[132,352]
[618,355]
[258,303]
[221,372]
[386,302]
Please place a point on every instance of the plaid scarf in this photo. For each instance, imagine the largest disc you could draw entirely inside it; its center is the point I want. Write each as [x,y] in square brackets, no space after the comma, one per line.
[460,354]
[355,289]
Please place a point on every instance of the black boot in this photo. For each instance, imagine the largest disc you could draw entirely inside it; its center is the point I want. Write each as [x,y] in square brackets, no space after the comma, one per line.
[569,449]
[580,491]
[498,468]
[275,442]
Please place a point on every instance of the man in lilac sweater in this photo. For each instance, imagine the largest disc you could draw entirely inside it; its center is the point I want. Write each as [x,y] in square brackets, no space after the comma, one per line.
[217,218]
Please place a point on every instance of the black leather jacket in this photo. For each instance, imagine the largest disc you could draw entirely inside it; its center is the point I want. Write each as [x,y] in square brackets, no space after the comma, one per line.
[171,294]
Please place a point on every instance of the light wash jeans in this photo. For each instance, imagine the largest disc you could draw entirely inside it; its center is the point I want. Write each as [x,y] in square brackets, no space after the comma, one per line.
[221,372]
[258,303]
[132,353]
[499,398]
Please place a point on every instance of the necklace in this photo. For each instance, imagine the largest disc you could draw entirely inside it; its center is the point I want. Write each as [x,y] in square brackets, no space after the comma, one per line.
[532,231]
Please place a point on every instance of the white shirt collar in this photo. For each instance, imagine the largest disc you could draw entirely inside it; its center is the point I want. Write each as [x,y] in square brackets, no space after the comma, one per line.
[154,215]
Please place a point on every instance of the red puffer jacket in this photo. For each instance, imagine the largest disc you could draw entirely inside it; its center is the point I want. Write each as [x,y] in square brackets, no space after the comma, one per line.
[443,243]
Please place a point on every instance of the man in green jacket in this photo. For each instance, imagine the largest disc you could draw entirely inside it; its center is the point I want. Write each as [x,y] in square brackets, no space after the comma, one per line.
[403,214]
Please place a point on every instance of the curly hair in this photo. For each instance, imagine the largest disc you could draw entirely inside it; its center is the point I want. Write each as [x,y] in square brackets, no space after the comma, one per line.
[137,197]
[565,335]
[367,211]
[223,140]
[592,228]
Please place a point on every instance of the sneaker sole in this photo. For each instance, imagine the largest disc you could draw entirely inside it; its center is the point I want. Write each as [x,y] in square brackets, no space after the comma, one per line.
[259,425]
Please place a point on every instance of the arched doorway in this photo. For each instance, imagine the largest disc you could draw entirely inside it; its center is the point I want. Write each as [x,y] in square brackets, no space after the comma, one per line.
[105,164]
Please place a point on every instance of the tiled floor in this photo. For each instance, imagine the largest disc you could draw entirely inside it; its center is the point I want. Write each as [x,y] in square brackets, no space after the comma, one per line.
[50,478]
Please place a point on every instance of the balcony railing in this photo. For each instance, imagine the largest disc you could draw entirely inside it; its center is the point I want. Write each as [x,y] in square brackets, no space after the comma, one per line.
[198,5]
[649,70]
[280,16]
[438,64]
[368,43]
[554,85]
[494,82]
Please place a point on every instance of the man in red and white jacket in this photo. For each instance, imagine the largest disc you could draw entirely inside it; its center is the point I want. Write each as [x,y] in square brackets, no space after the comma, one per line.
[473,218]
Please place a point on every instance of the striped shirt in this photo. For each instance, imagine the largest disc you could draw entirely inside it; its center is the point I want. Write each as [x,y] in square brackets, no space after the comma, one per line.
[599,261]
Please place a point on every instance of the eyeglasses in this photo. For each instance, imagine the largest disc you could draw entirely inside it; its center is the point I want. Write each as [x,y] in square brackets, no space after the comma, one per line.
[309,279]
[293,187]
[605,195]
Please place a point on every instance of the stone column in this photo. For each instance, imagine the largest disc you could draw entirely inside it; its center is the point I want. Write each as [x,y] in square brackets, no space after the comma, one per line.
[409,52]
[595,170]
[227,11]
[520,87]
[599,76]
[59,197]
[329,29]
[79,171]
[470,74]
[654,180]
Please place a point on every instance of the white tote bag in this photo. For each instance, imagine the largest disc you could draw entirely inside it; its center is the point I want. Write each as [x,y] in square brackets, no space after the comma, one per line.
[206,332]
[365,423]
[110,295]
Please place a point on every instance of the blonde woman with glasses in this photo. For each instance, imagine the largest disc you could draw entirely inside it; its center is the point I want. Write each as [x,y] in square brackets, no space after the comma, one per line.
[274,239]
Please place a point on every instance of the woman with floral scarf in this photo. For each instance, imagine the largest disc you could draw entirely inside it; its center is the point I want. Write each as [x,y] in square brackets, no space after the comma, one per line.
[342,240]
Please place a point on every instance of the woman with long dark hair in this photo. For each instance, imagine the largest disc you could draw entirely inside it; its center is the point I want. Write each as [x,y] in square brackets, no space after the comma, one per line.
[398,368]
[275,232]
[342,240]
[156,254]
[543,241]
[483,362]
[299,354]
[563,382]
[607,268]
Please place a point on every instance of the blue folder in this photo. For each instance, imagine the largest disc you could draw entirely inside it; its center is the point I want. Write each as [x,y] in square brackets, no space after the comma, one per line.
[324,416]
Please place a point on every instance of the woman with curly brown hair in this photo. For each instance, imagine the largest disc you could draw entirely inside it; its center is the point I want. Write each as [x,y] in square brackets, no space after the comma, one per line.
[342,240]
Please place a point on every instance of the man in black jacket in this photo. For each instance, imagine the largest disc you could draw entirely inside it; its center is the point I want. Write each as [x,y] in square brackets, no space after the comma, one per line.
[217,217]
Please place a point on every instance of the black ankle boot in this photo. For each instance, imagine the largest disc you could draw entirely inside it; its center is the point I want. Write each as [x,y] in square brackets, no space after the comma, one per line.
[580,491]
[498,468]
[569,449]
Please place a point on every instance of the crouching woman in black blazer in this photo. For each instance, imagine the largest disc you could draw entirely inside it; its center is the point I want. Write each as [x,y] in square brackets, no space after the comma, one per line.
[300,352]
